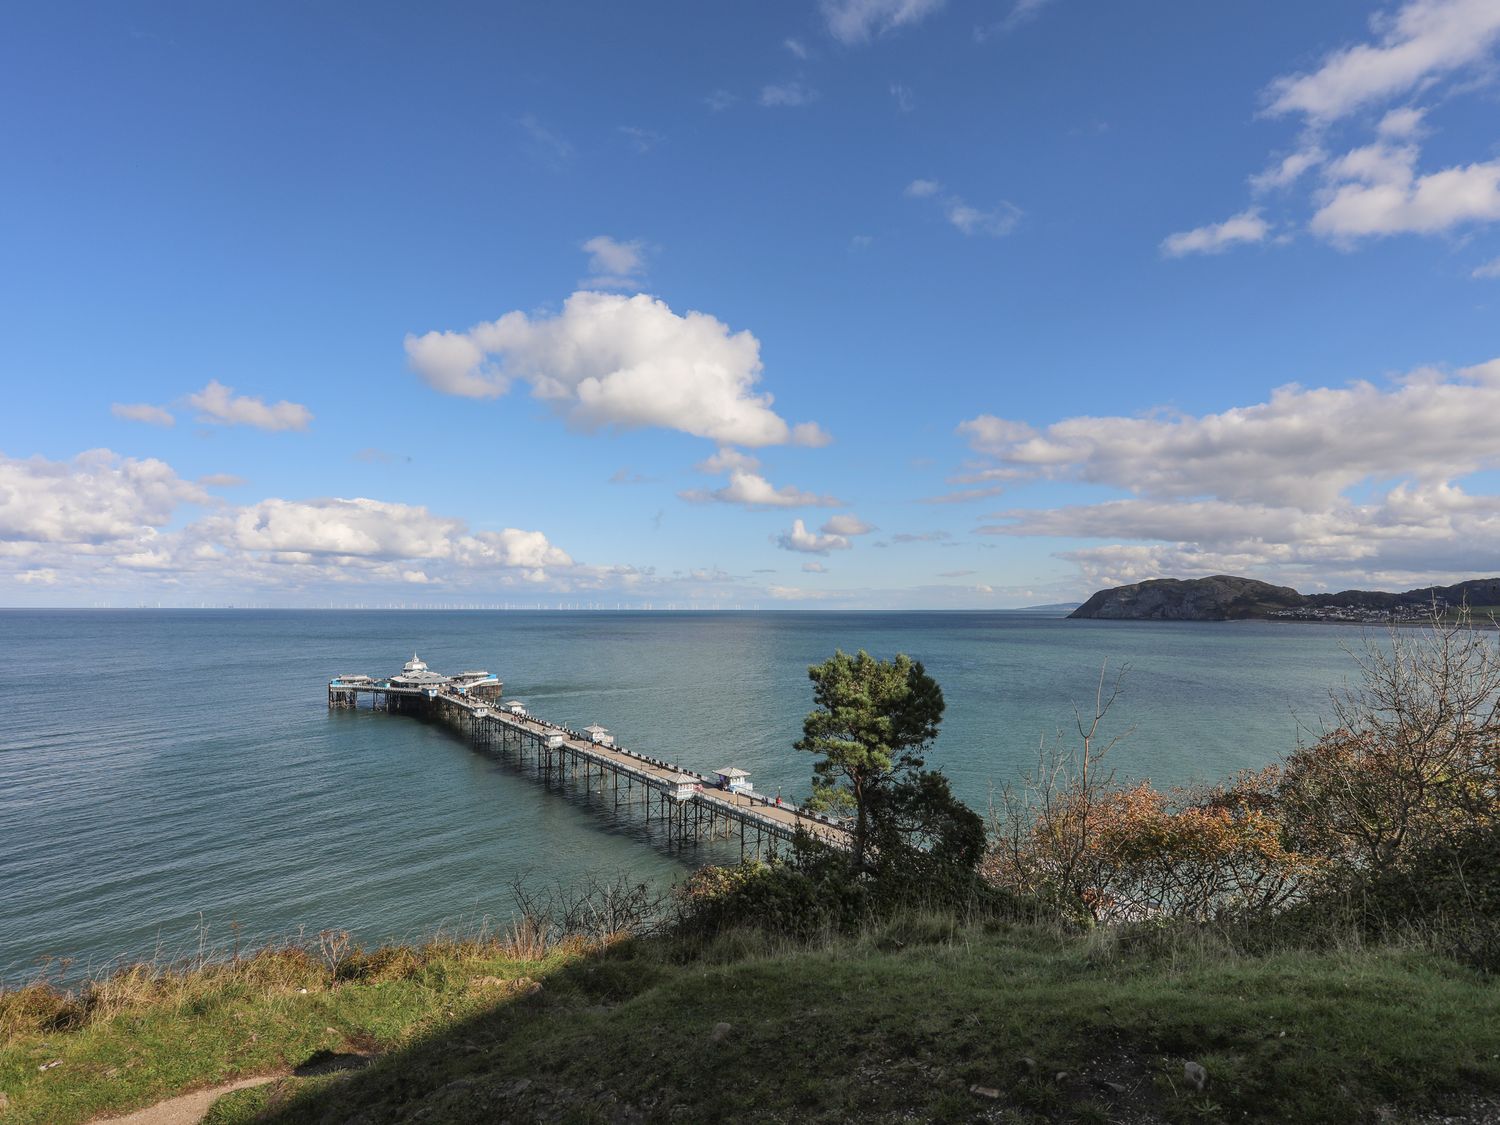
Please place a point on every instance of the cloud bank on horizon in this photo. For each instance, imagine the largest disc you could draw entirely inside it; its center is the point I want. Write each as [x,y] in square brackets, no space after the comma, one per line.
[1049,366]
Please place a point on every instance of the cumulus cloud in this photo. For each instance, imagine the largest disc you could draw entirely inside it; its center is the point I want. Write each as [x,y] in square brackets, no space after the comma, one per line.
[614,264]
[1288,169]
[1304,446]
[1488,269]
[607,360]
[1425,39]
[847,524]
[1215,238]
[852,22]
[814,567]
[96,499]
[1362,480]
[996,222]
[921,189]
[810,543]
[143,412]
[726,460]
[379,529]
[1375,190]
[219,405]
[753,491]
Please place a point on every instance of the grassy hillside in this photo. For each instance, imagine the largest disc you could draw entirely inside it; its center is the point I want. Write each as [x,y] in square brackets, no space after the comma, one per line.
[918,1018]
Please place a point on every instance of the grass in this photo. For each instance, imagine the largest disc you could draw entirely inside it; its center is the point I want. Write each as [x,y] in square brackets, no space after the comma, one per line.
[896,1024]
[149,1032]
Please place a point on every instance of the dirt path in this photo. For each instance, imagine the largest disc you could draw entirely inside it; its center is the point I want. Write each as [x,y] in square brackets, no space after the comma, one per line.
[189,1109]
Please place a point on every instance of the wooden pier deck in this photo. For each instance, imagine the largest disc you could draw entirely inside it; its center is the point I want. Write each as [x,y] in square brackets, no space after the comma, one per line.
[691,805]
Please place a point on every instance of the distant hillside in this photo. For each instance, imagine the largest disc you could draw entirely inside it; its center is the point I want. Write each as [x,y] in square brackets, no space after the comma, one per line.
[1227,598]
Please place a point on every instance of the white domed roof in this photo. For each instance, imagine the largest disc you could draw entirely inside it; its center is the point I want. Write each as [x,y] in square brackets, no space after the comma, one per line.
[415,664]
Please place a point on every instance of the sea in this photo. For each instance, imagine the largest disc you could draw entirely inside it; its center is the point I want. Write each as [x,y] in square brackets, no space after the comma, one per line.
[173,779]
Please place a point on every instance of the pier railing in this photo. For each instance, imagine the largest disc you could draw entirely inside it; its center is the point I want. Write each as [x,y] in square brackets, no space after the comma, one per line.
[691,805]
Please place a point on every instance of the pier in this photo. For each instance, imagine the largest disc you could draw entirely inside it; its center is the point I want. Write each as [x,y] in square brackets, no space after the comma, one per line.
[691,807]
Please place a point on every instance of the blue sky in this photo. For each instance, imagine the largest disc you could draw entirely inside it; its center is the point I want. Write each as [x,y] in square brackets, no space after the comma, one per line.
[863,303]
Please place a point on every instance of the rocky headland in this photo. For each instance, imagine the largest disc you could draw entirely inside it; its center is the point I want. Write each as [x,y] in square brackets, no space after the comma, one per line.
[1224,597]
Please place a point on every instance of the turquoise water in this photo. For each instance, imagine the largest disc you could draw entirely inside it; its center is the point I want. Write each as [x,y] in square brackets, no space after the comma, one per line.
[155,765]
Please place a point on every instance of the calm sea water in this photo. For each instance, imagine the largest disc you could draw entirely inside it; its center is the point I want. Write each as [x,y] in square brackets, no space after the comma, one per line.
[156,766]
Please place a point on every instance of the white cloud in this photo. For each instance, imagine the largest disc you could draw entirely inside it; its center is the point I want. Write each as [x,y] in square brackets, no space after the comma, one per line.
[791,93]
[1360,481]
[963,495]
[1021,12]
[1401,123]
[142,412]
[857,21]
[905,99]
[725,460]
[754,491]
[1300,449]
[997,222]
[96,499]
[1424,40]
[1288,169]
[794,593]
[1215,238]
[219,405]
[814,567]
[614,264]
[720,100]
[377,529]
[1488,269]
[1375,191]
[806,542]
[795,46]
[453,363]
[846,524]
[627,362]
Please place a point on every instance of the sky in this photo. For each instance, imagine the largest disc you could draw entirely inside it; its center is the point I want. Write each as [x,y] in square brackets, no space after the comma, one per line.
[897,304]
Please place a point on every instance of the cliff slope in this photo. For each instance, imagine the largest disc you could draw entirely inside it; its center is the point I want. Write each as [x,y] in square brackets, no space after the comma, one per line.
[1224,597]
[1219,598]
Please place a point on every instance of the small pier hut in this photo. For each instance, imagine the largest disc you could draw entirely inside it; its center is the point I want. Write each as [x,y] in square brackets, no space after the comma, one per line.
[555,739]
[517,708]
[684,785]
[598,735]
[734,779]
